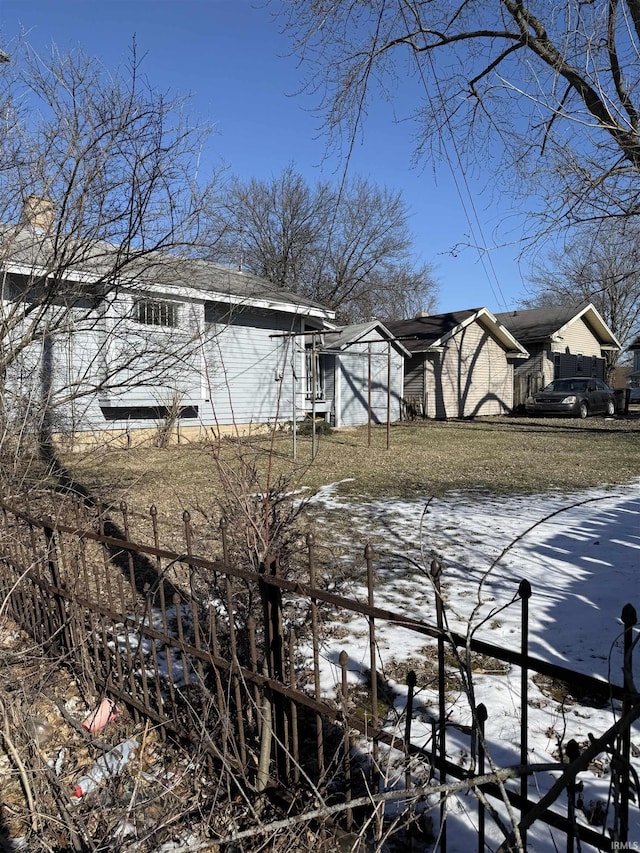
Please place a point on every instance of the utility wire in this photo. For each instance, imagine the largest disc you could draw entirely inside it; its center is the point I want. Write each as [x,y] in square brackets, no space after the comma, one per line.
[483,251]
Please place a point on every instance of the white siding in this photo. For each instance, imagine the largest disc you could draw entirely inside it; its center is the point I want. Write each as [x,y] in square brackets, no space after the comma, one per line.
[471,377]
[352,374]
[579,338]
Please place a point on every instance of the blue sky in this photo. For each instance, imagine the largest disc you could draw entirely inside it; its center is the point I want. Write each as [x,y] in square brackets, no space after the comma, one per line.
[231,58]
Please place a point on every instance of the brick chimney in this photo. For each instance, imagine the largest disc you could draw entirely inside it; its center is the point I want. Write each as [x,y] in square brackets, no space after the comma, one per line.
[38,212]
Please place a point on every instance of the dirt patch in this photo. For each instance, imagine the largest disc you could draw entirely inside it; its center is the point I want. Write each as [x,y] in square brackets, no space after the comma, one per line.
[426,671]
[567,695]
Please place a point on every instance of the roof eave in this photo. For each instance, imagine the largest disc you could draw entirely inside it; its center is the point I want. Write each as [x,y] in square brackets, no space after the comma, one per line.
[500,332]
[184,292]
[608,340]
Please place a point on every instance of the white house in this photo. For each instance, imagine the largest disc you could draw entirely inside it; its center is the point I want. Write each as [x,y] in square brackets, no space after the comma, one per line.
[202,344]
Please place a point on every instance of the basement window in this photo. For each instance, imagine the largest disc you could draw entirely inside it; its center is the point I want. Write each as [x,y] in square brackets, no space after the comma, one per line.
[155,312]
[143,413]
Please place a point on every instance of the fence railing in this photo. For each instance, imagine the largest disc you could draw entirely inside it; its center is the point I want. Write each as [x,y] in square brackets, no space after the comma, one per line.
[206,650]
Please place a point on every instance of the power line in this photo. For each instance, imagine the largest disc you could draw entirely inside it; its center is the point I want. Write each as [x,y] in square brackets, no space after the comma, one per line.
[483,251]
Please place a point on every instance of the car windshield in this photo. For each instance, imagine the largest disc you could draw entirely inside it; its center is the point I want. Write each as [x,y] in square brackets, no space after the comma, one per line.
[566,385]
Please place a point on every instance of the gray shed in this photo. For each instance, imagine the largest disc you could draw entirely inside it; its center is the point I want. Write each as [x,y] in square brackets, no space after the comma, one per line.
[363,367]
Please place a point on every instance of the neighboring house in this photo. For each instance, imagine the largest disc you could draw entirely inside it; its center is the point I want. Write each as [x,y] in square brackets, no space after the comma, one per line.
[562,342]
[633,377]
[362,369]
[460,364]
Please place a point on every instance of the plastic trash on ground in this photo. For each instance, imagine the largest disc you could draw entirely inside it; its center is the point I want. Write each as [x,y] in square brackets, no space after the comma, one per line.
[100,716]
[108,765]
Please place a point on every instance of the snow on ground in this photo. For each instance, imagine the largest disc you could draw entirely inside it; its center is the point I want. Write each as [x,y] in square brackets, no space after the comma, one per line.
[581,555]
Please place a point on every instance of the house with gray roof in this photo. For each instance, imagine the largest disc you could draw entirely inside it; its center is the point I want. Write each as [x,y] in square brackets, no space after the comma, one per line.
[137,343]
[460,364]
[362,371]
[201,343]
[562,341]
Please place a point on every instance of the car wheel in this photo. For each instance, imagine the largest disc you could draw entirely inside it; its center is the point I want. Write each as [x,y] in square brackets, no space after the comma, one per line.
[583,410]
[611,409]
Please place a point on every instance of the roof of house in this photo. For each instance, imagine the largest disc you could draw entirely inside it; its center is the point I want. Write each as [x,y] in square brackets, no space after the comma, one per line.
[220,282]
[30,251]
[536,325]
[431,332]
[344,336]
[420,333]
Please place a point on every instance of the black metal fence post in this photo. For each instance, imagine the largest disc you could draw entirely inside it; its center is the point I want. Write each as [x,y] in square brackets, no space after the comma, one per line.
[629,619]
[572,751]
[373,660]
[274,653]
[346,746]
[436,574]
[61,637]
[315,631]
[481,717]
[411,685]
[524,591]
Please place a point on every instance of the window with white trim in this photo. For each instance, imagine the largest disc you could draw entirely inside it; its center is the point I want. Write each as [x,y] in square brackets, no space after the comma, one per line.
[156,312]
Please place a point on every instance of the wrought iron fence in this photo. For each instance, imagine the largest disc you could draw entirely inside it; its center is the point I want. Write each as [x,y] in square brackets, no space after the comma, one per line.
[219,665]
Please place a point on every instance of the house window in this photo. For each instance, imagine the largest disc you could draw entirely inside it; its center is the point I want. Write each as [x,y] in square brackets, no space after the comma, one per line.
[318,391]
[142,413]
[154,312]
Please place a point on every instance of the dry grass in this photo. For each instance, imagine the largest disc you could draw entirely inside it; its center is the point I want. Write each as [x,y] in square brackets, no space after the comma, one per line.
[503,455]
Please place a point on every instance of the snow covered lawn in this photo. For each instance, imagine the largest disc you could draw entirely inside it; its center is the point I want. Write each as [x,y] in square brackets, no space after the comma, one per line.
[581,554]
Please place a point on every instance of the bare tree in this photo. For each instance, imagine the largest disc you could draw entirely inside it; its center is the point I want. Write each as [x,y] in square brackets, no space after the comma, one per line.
[542,79]
[97,188]
[349,249]
[600,265]
[270,227]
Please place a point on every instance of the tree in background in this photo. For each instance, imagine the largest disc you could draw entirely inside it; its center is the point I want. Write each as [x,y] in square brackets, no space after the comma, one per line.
[600,265]
[347,248]
[97,185]
[554,85]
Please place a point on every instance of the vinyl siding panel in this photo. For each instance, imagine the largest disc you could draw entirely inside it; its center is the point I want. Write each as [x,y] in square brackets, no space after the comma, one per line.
[471,377]
[230,368]
[536,363]
[532,374]
[329,366]
[54,380]
[118,362]
[579,338]
[249,377]
[144,368]
[352,372]
[414,378]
